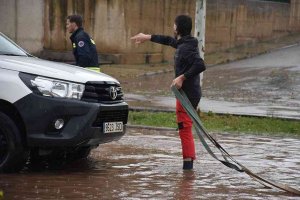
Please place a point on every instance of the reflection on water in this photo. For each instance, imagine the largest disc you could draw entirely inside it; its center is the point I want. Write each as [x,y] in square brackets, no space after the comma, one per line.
[147,164]
[185,186]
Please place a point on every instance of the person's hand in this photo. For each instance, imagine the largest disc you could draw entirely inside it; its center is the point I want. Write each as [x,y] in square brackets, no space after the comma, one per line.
[177,82]
[140,38]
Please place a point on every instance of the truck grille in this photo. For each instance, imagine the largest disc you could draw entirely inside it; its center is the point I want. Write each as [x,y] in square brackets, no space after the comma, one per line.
[111,116]
[102,92]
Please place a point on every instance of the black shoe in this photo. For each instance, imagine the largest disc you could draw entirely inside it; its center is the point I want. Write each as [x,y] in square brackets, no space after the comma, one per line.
[187,165]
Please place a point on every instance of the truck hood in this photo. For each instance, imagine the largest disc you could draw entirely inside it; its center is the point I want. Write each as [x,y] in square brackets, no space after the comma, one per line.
[52,69]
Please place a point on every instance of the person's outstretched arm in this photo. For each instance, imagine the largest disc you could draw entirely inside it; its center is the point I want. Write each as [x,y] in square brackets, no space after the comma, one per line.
[141,38]
[160,39]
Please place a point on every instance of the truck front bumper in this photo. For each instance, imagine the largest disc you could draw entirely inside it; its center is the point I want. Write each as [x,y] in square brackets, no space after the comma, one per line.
[83,121]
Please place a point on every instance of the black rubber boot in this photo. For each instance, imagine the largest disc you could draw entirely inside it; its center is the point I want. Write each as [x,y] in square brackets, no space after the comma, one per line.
[188,165]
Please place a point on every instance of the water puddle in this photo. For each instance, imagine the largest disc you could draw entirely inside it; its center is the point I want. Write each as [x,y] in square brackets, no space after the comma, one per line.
[147,164]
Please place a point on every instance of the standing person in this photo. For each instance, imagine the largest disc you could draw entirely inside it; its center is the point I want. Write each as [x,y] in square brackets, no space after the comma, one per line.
[84,48]
[188,66]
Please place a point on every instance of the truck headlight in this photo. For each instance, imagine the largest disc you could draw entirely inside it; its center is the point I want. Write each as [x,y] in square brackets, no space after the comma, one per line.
[53,87]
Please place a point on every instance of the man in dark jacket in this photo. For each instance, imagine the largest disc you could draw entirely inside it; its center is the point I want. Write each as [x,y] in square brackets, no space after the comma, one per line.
[188,66]
[84,48]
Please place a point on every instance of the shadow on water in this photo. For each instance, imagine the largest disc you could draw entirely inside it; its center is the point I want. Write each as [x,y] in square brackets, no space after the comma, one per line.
[46,165]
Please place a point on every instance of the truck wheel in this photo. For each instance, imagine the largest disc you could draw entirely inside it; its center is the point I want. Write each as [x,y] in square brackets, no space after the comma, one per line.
[13,155]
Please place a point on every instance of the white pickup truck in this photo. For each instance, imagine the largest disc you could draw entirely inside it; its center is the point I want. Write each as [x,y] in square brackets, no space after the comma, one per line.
[54,108]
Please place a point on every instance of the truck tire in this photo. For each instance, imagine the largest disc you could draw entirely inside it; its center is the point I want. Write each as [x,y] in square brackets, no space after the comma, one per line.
[13,155]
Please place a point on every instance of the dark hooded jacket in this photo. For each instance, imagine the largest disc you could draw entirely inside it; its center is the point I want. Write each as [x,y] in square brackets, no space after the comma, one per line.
[187,61]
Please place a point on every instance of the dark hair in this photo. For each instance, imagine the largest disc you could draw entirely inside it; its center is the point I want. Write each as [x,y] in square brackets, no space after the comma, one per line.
[77,19]
[184,25]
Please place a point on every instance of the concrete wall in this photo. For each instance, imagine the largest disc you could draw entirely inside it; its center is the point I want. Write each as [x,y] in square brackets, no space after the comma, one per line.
[294,22]
[236,22]
[40,24]
[112,23]
[22,21]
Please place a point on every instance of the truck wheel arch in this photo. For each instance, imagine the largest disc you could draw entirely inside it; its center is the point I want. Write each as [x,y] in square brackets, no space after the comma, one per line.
[10,110]
[15,154]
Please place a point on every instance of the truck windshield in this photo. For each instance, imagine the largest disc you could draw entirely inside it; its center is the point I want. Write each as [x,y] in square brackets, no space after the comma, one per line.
[8,47]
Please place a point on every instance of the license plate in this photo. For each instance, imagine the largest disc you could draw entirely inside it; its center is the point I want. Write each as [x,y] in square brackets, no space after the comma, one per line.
[113,127]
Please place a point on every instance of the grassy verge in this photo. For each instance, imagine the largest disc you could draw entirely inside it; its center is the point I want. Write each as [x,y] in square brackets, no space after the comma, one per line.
[222,123]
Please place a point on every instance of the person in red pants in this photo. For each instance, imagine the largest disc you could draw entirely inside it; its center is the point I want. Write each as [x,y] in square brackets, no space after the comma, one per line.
[186,136]
[187,66]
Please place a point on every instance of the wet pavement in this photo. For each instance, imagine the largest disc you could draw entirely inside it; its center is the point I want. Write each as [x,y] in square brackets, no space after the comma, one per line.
[265,85]
[146,164]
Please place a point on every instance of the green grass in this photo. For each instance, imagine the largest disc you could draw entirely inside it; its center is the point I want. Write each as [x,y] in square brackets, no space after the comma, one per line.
[158,119]
[222,123]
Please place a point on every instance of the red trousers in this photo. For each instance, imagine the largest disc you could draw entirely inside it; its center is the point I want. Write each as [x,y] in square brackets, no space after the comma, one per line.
[185,125]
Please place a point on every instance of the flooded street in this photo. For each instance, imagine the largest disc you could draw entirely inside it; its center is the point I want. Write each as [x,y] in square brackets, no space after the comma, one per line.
[146,164]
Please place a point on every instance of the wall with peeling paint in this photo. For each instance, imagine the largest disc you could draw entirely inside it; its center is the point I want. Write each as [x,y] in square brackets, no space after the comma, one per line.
[111,23]
[39,25]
